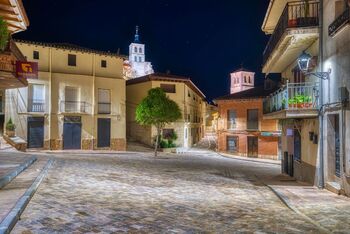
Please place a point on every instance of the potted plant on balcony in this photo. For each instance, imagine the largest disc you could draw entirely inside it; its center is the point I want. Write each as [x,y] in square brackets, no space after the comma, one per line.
[10,128]
[4,34]
[300,101]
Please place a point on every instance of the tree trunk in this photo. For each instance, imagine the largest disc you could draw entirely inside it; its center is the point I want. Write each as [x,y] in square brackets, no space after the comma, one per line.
[157,142]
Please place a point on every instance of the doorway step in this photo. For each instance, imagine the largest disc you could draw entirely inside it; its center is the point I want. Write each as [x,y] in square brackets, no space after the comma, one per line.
[334,187]
[16,142]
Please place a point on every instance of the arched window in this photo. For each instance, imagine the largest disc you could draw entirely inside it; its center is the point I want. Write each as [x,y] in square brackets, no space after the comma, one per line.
[135,58]
[245,79]
[140,59]
[250,81]
[135,49]
[140,50]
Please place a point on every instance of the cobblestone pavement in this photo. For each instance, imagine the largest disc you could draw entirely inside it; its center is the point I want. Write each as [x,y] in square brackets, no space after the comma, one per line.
[198,192]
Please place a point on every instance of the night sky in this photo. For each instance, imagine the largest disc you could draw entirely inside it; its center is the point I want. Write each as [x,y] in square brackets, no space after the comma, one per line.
[202,39]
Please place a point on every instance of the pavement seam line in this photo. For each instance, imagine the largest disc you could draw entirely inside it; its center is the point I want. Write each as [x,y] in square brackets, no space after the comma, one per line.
[14,215]
[247,160]
[5,180]
[285,201]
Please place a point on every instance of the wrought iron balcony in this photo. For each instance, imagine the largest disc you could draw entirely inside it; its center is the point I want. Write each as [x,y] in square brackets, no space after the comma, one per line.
[36,105]
[294,97]
[339,23]
[75,107]
[295,15]
[104,108]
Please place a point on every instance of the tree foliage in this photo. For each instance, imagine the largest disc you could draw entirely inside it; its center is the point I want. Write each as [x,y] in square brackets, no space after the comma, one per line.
[157,110]
[4,34]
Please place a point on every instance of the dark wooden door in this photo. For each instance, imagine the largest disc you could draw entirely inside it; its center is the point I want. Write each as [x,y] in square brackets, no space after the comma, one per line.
[253,147]
[35,132]
[104,133]
[297,145]
[72,133]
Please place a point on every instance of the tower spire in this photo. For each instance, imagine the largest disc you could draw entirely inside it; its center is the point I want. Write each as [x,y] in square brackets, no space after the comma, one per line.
[137,37]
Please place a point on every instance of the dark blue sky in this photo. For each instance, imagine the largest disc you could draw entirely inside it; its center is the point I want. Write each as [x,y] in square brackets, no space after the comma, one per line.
[202,39]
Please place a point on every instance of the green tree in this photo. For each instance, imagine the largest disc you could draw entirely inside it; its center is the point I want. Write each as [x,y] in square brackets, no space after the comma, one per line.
[4,34]
[157,110]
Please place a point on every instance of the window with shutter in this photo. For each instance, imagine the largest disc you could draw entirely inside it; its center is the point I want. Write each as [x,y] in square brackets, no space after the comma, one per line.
[104,101]
[253,119]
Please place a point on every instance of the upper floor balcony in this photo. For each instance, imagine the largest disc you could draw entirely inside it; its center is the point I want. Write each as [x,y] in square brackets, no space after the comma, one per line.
[75,107]
[294,100]
[295,31]
[340,22]
[36,106]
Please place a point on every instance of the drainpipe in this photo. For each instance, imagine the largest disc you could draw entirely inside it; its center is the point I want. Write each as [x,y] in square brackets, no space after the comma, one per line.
[321,182]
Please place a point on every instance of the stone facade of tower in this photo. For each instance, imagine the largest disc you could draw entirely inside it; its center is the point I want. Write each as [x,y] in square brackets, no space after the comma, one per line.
[241,80]
[137,66]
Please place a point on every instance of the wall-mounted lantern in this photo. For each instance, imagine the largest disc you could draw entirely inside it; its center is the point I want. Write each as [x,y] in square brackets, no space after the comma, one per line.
[304,66]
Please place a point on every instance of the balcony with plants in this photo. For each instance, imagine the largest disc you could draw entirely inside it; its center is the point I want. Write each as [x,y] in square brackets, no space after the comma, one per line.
[294,100]
[299,21]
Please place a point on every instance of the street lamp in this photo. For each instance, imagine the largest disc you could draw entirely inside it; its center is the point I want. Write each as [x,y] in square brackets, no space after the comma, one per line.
[304,66]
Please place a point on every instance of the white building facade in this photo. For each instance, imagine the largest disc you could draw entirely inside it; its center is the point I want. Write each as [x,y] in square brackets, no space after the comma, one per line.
[336,113]
[137,66]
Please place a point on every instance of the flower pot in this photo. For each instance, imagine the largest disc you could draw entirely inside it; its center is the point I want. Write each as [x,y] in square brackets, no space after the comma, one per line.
[292,23]
[10,133]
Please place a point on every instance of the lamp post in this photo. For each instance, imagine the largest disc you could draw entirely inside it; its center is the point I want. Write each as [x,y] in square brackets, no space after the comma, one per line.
[304,66]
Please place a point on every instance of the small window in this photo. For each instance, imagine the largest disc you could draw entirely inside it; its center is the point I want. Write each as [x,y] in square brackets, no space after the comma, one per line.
[72,60]
[168,88]
[168,133]
[140,50]
[135,58]
[36,54]
[140,59]
[135,49]
[103,63]
[188,94]
[245,79]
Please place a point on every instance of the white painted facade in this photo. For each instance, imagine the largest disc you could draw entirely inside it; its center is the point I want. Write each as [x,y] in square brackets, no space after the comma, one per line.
[336,117]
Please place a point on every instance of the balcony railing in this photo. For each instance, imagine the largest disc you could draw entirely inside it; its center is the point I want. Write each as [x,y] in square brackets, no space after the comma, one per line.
[104,108]
[36,105]
[75,107]
[293,96]
[295,15]
[339,23]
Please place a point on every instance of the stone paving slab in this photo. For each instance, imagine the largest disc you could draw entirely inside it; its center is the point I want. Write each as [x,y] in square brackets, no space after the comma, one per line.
[329,210]
[11,193]
[9,161]
[192,193]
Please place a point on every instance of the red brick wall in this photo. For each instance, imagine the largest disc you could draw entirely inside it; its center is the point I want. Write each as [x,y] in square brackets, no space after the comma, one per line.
[267,146]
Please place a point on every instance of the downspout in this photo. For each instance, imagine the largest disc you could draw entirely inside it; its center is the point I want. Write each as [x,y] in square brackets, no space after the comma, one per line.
[93,101]
[50,97]
[321,182]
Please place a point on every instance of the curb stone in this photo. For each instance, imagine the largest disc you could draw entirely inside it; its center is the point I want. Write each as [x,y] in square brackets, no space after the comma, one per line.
[248,160]
[14,215]
[11,175]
